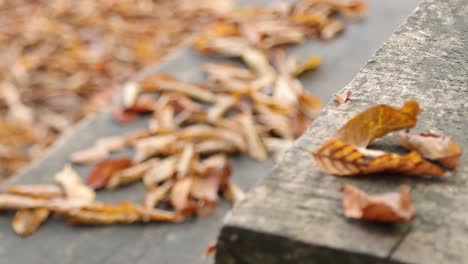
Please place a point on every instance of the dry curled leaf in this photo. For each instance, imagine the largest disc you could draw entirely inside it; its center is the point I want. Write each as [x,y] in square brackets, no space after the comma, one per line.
[342,159]
[44,191]
[160,172]
[343,97]
[157,194]
[27,221]
[376,122]
[256,149]
[130,175]
[123,213]
[434,147]
[90,155]
[73,186]
[103,171]
[388,208]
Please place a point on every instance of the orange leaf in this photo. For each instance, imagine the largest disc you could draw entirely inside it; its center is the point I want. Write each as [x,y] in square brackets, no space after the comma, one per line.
[433,147]
[389,207]
[102,172]
[27,221]
[341,159]
[376,122]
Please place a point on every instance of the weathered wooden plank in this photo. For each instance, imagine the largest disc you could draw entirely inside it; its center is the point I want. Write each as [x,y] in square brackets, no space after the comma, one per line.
[57,242]
[295,214]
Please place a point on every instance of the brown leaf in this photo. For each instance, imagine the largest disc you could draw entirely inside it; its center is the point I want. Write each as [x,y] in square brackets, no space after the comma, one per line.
[122,116]
[388,208]
[179,196]
[434,147]
[102,172]
[44,191]
[376,122]
[342,159]
[211,250]
[27,221]
[130,175]
[343,97]
[157,194]
[123,213]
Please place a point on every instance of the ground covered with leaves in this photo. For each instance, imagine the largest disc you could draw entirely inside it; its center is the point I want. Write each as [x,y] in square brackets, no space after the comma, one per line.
[61,60]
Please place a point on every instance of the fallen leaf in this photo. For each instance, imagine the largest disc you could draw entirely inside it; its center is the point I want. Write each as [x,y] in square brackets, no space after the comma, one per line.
[211,250]
[256,149]
[157,194]
[27,221]
[343,97]
[342,159]
[73,186]
[179,196]
[123,213]
[434,147]
[376,122]
[90,155]
[233,193]
[130,175]
[102,172]
[388,208]
[44,191]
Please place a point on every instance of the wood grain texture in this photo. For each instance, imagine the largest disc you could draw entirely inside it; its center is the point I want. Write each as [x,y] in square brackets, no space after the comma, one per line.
[57,242]
[295,213]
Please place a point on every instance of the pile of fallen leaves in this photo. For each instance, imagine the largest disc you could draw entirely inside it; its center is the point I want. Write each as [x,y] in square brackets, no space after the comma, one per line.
[346,154]
[182,157]
[61,60]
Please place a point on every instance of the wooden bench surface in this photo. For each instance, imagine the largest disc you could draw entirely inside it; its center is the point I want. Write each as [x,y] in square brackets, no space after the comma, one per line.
[295,215]
[56,242]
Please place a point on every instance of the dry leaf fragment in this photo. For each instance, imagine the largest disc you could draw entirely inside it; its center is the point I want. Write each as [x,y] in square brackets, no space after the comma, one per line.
[169,84]
[211,250]
[112,144]
[310,64]
[331,29]
[388,208]
[180,196]
[207,147]
[130,94]
[184,163]
[73,186]
[123,213]
[343,97]
[233,193]
[160,172]
[342,159]
[27,221]
[103,171]
[90,155]
[100,151]
[148,147]
[205,132]
[17,202]
[376,122]
[157,194]
[130,175]
[44,191]
[223,104]
[256,149]
[434,147]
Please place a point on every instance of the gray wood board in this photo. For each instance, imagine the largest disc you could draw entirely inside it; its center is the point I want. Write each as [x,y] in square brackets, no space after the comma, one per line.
[57,242]
[295,215]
